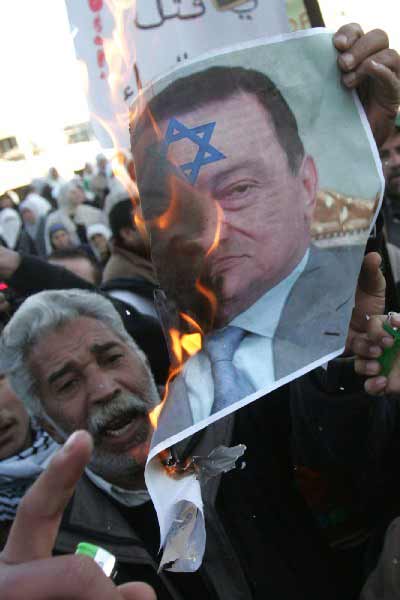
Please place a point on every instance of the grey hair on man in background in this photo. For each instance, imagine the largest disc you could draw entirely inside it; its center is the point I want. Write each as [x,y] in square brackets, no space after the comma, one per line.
[39,315]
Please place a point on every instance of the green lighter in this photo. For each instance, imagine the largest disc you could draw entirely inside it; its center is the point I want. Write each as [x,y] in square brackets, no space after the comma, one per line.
[389,355]
[106,561]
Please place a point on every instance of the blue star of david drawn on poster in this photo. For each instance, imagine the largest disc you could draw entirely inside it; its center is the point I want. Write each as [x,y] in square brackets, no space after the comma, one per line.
[201,136]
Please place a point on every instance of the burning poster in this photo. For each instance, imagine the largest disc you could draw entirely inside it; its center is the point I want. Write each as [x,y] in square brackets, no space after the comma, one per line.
[259,183]
[258,215]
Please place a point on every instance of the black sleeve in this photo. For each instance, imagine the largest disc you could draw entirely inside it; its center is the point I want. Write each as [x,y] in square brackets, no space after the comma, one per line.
[147,333]
[35,275]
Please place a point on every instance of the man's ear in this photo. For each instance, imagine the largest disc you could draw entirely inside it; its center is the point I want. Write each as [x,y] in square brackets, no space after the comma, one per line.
[51,430]
[309,178]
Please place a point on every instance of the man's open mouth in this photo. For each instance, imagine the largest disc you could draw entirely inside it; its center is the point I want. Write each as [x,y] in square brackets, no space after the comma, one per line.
[123,428]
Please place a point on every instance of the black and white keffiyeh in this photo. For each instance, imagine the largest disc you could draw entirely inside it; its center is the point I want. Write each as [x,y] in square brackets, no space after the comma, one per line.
[18,472]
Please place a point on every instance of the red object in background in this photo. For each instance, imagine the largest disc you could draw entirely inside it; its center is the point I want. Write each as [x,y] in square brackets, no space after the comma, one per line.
[98,40]
[95,5]
[97,24]
[3,286]
[101,58]
[312,487]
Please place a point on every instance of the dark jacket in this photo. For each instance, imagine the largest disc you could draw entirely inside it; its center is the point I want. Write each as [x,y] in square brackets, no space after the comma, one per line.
[391,211]
[262,540]
[37,245]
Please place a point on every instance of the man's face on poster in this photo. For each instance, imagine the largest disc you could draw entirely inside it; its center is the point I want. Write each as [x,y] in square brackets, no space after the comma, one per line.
[266,208]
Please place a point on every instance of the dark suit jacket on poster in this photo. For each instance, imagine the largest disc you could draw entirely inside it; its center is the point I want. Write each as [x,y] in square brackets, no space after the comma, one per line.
[313,324]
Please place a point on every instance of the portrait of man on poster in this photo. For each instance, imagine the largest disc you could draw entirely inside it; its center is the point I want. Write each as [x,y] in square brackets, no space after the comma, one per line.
[228,194]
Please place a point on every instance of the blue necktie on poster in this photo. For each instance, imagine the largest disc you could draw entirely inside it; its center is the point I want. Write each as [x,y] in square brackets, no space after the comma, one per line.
[230,384]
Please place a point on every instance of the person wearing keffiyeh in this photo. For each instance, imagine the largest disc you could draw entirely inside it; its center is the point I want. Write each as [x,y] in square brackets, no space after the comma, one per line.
[24,452]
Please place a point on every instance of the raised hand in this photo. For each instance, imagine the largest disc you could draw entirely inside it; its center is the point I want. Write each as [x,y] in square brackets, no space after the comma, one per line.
[27,569]
[370,66]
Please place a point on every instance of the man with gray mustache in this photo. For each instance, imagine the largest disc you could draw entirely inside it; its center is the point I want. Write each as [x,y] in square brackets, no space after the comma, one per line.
[75,367]
[70,360]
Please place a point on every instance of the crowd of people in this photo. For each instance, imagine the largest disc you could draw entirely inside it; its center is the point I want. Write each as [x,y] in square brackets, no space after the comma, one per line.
[56,214]
[312,510]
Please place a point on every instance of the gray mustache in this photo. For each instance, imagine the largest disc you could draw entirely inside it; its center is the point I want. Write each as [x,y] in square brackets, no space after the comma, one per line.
[101,417]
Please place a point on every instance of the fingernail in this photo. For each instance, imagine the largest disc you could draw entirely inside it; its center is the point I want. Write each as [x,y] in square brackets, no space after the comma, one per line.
[341,40]
[377,65]
[380,381]
[349,78]
[372,368]
[375,351]
[70,442]
[387,341]
[347,59]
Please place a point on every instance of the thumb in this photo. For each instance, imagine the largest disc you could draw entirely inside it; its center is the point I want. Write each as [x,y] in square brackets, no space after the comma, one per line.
[42,507]
[137,591]
[371,279]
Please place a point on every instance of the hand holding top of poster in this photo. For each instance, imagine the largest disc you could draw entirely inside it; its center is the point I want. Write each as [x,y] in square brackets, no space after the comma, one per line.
[373,69]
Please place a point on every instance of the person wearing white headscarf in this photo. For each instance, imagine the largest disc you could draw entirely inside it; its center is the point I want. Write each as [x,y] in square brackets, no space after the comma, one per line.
[73,214]
[55,181]
[39,204]
[10,226]
[33,211]
[98,237]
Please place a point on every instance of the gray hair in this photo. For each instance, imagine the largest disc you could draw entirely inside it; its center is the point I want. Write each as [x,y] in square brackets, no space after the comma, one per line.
[38,316]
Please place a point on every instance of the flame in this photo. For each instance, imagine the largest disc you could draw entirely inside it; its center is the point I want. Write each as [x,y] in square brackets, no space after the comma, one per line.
[191,322]
[187,344]
[217,235]
[120,59]
[167,218]
[121,63]
[140,224]
[191,343]
[118,54]
[176,344]
[154,123]
[211,297]
[182,346]
[155,413]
